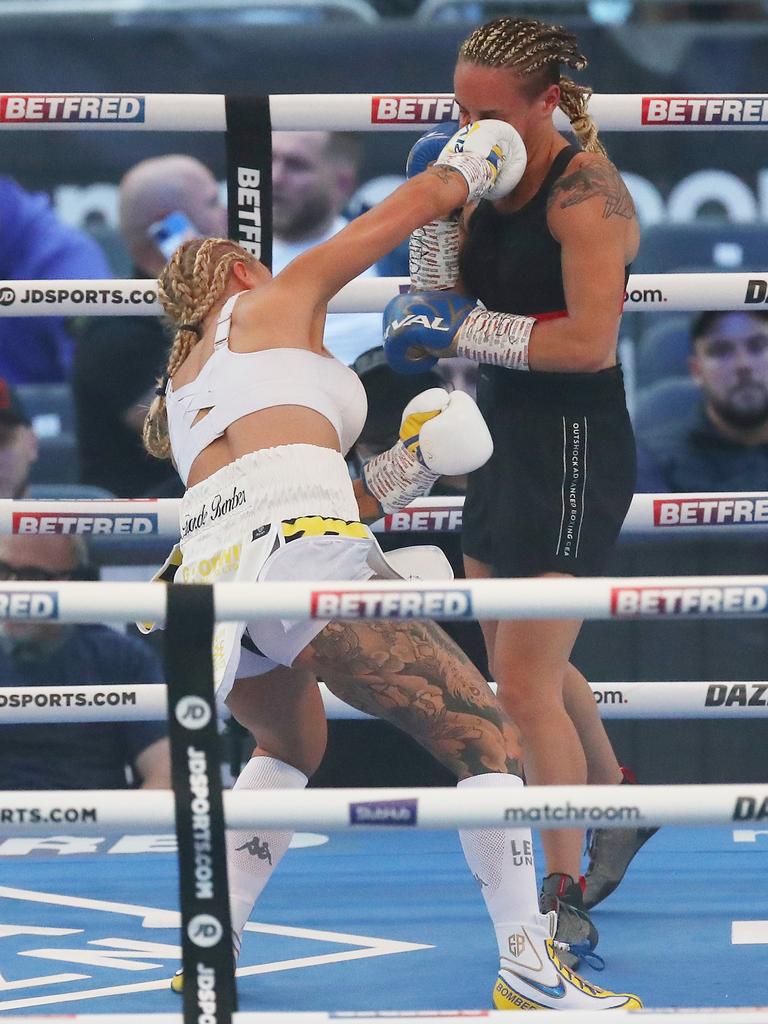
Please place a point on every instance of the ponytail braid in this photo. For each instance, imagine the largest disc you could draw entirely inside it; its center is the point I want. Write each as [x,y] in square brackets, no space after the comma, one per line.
[190,284]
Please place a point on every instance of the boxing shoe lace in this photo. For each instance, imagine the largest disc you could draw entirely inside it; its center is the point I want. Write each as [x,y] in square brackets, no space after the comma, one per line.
[581,951]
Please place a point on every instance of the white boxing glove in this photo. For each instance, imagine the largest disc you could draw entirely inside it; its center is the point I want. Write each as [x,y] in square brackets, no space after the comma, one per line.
[441,434]
[491,156]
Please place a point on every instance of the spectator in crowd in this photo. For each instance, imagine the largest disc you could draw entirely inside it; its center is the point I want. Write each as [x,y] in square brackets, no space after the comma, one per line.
[18,444]
[720,442]
[36,245]
[313,176]
[65,755]
[162,200]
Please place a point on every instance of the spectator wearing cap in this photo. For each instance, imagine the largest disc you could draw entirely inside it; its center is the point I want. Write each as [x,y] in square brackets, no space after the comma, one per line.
[18,444]
[36,245]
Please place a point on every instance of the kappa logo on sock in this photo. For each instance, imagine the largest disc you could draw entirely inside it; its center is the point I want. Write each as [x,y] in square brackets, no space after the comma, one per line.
[257,849]
[480,881]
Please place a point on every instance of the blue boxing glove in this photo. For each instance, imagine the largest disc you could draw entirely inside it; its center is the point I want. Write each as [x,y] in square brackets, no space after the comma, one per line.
[429,146]
[419,321]
[433,250]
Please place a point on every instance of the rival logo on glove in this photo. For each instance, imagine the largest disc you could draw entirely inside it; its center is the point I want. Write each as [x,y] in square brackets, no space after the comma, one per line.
[435,323]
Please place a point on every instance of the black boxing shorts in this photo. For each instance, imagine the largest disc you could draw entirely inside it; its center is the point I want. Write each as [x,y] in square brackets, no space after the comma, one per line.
[555,492]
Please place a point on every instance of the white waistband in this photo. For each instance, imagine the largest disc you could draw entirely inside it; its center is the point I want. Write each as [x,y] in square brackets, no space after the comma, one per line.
[269,485]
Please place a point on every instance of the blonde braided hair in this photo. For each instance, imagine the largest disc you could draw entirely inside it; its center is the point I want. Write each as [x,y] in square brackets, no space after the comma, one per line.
[189,286]
[533,48]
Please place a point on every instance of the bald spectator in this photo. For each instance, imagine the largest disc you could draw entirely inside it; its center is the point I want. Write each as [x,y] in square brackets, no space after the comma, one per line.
[69,755]
[36,245]
[162,201]
[313,177]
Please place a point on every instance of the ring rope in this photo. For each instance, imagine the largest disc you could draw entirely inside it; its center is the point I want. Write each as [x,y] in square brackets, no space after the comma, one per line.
[662,293]
[33,812]
[132,518]
[675,1016]
[362,111]
[616,598]
[148,702]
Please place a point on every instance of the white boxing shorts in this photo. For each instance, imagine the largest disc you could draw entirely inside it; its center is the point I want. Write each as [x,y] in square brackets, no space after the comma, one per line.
[279,514]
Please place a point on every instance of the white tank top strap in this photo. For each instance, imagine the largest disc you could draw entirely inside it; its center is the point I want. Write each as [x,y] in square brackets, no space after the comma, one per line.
[223,324]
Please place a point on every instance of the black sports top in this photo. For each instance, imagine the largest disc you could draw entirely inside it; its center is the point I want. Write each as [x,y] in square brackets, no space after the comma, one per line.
[510,261]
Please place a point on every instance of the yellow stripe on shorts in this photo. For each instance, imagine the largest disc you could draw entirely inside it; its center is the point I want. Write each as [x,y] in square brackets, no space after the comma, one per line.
[322,526]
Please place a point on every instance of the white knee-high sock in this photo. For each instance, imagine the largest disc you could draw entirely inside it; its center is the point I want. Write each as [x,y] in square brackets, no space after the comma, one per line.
[501,860]
[253,854]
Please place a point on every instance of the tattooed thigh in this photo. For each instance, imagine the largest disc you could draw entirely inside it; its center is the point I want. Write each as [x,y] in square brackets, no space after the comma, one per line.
[414,676]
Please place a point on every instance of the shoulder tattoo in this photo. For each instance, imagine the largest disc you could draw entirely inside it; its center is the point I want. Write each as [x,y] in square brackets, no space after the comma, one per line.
[588,182]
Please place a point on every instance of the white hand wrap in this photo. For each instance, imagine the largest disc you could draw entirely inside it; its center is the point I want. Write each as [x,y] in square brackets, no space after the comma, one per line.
[433,255]
[476,171]
[396,478]
[500,339]
[441,434]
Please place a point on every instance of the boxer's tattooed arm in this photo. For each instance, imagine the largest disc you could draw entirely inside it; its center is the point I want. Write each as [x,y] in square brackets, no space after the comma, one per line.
[414,676]
[589,181]
[444,172]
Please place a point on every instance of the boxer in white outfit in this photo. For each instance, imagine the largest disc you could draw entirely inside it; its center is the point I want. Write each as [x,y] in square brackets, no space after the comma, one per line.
[257,416]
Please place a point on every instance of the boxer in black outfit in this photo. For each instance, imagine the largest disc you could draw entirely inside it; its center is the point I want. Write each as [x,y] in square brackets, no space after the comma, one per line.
[550,263]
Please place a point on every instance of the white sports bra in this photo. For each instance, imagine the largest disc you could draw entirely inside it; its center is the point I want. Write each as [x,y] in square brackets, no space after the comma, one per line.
[234,384]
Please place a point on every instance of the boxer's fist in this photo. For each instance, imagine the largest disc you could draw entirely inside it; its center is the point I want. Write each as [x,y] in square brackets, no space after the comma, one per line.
[491,156]
[440,434]
[450,441]
[420,328]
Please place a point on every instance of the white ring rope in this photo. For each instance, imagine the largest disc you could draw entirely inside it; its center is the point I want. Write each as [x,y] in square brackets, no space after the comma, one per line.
[362,111]
[672,1016]
[615,598]
[661,293]
[33,812]
[148,702]
[660,515]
